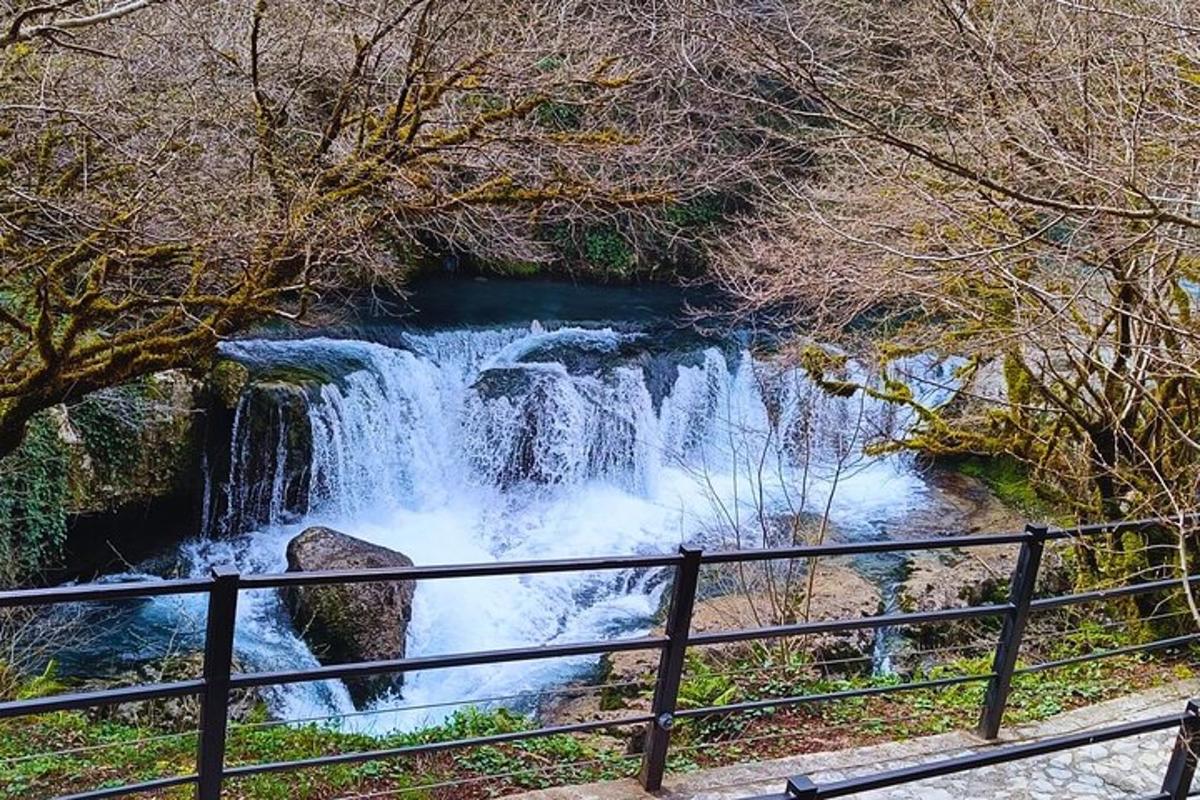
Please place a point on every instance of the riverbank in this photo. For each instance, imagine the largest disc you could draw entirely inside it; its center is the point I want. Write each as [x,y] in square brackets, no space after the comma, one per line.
[64,752]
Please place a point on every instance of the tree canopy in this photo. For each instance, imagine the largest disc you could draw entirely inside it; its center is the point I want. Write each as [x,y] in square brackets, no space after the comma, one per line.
[176,172]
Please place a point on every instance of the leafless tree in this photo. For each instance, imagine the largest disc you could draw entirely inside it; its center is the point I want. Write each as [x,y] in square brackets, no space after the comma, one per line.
[1014,181]
[175,172]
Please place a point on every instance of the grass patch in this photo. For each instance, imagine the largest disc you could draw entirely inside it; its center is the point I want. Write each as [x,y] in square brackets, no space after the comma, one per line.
[106,754]
[102,754]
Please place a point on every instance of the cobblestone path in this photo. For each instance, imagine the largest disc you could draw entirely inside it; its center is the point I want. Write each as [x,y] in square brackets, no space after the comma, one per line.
[1127,768]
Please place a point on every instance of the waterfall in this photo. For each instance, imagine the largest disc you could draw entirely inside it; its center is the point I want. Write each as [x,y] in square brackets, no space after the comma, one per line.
[527,443]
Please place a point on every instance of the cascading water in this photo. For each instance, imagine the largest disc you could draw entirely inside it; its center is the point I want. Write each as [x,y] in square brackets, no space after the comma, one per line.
[526,443]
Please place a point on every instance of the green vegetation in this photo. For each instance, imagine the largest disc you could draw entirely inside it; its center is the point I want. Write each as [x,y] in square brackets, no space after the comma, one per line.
[761,674]
[33,487]
[109,426]
[699,212]
[109,753]
[606,249]
[1009,480]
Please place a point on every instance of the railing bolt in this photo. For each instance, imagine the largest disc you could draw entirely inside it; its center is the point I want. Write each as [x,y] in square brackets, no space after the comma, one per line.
[666,721]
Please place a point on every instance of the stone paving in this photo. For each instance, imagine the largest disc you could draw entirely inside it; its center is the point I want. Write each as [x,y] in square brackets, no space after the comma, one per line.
[1127,768]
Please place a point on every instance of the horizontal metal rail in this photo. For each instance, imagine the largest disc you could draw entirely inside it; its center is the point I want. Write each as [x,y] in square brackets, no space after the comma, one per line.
[1122,526]
[863,548]
[106,697]
[444,572]
[928,543]
[133,788]
[1161,644]
[363,669]
[1001,755]
[839,625]
[432,747]
[848,694]
[991,756]
[102,592]
[136,589]
[1095,595]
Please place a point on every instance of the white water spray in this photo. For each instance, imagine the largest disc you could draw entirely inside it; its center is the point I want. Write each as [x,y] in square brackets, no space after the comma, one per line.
[479,446]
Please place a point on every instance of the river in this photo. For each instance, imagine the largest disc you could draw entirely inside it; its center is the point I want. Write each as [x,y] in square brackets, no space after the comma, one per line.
[524,431]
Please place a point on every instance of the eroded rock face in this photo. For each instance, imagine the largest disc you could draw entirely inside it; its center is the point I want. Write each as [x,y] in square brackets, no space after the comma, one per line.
[270,458]
[355,621]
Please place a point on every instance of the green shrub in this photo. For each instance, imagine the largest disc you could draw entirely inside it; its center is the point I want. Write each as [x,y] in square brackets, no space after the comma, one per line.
[606,249]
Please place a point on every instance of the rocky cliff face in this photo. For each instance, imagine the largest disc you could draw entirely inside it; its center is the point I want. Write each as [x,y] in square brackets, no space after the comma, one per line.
[350,621]
[123,474]
[127,464]
[132,444]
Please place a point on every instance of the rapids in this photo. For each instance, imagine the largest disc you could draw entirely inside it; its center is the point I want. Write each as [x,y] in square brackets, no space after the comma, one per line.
[530,442]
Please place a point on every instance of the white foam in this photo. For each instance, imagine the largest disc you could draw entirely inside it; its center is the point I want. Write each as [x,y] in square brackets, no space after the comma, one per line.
[407,455]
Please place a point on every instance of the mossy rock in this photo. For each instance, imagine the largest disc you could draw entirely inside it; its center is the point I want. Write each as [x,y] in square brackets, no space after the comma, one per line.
[228,380]
[350,622]
[297,375]
[133,444]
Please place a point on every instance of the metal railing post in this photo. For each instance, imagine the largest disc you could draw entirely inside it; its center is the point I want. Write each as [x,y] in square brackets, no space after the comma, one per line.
[1020,595]
[1182,766]
[670,669]
[218,665]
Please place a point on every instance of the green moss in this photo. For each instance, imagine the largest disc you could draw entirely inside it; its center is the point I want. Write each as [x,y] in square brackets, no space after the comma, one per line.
[605,248]
[33,493]
[516,269]
[110,430]
[295,375]
[228,379]
[1008,479]
[331,369]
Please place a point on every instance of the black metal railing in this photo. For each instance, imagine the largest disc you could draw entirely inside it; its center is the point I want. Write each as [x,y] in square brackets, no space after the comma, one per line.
[219,680]
[1176,785]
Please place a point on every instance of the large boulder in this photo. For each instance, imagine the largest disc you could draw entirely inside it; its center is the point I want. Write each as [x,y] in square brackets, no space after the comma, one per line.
[350,622]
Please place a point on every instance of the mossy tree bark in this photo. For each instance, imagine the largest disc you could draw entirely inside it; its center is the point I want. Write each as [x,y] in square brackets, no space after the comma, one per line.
[223,168]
